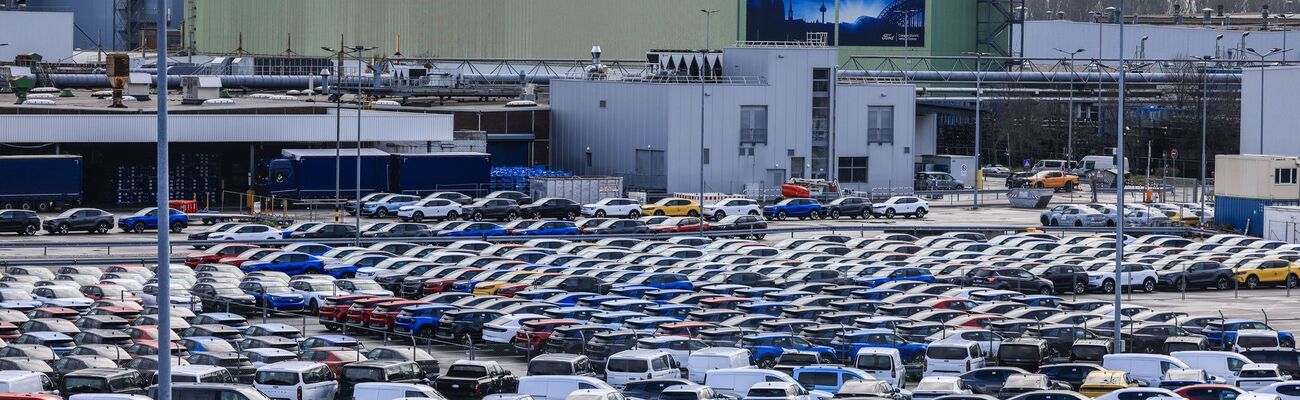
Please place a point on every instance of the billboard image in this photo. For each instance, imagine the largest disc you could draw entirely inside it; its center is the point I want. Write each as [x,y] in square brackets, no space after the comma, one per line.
[874,23]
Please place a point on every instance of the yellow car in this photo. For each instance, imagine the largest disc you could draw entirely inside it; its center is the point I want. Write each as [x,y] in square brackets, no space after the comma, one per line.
[672,207]
[1099,383]
[490,287]
[1267,271]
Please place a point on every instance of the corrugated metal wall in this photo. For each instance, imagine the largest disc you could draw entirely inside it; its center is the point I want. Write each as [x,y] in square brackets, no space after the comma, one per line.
[1243,214]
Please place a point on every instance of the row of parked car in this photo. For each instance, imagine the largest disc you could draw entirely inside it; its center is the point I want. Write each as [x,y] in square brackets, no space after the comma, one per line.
[1140,214]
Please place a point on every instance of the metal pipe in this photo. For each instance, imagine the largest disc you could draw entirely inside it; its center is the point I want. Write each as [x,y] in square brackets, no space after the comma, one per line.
[1119,191]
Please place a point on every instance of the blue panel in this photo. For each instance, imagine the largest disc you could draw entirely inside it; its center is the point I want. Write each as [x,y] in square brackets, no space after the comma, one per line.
[1244,214]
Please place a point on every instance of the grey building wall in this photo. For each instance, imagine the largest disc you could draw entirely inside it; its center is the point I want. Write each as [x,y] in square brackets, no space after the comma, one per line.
[1166,42]
[646,120]
[46,33]
[1279,116]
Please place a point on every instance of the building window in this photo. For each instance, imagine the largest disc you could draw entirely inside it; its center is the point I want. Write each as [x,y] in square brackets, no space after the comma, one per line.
[880,124]
[853,169]
[746,151]
[602,104]
[705,157]
[1284,176]
[796,167]
[588,159]
[753,124]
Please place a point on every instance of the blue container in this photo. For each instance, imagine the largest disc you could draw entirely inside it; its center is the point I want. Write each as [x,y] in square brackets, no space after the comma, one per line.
[1245,215]
[304,174]
[425,173]
[40,179]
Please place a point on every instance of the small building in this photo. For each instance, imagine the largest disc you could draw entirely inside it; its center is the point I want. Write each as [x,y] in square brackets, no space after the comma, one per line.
[1251,183]
[776,111]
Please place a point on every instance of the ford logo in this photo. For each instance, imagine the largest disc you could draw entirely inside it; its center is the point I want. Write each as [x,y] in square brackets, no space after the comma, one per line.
[455,386]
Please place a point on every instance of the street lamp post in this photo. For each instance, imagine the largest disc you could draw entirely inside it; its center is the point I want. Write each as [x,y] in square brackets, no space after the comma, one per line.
[1205,114]
[1069,135]
[358,50]
[979,100]
[1119,190]
[704,56]
[163,213]
[338,132]
[1262,56]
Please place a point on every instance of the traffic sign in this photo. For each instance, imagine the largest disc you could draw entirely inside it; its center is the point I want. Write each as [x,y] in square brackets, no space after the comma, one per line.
[1173,153]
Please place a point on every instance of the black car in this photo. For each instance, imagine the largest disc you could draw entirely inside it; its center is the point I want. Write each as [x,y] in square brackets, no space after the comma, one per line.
[22,222]
[1150,338]
[1059,337]
[69,364]
[427,363]
[1019,179]
[572,338]
[518,197]
[618,226]
[1071,373]
[500,209]
[1012,278]
[1195,274]
[1288,360]
[456,197]
[467,379]
[377,371]
[232,361]
[552,207]
[740,223]
[92,220]
[988,380]
[326,231]
[852,207]
[1063,277]
[103,380]
[651,389]
[222,298]
[1024,352]
[603,344]
[457,325]
[578,283]
[401,230]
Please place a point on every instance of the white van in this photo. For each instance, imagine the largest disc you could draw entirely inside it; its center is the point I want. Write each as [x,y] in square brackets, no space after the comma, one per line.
[1147,368]
[883,363]
[1054,165]
[715,358]
[737,381]
[26,382]
[1225,365]
[391,391]
[201,374]
[301,380]
[1091,163]
[639,364]
[952,358]
[555,387]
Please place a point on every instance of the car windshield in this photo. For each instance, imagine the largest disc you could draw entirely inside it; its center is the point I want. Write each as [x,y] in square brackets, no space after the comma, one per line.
[366,285]
[77,384]
[64,292]
[68,213]
[466,371]
[277,378]
[934,385]
[946,353]
[142,212]
[627,365]
[1009,351]
[549,368]
[363,374]
[1257,341]
[276,289]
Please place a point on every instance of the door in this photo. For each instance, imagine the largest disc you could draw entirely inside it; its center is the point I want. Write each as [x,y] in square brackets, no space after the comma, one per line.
[775,177]
[650,169]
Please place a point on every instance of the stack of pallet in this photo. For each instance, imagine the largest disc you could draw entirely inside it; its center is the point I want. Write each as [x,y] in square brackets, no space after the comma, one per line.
[191,177]
[516,178]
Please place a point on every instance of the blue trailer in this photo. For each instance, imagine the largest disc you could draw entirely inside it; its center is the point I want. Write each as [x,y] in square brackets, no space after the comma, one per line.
[424,173]
[310,173]
[41,182]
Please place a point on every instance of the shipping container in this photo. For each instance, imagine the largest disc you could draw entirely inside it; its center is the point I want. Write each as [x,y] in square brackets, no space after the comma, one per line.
[311,173]
[582,189]
[40,182]
[1244,215]
[1257,176]
[1282,223]
[425,173]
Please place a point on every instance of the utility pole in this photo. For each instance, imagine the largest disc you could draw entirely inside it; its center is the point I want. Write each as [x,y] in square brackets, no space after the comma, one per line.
[338,131]
[1262,56]
[979,102]
[163,213]
[704,55]
[1119,193]
[360,63]
[1069,136]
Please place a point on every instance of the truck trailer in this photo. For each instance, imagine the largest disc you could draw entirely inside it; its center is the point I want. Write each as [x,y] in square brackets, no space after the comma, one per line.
[310,173]
[425,173]
[41,183]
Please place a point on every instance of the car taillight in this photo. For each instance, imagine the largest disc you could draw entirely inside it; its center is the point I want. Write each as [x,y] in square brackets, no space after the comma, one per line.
[968,365]
[992,279]
[299,392]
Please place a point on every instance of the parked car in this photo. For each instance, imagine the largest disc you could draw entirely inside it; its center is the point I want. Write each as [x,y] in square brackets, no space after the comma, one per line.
[1054,179]
[673,207]
[1072,215]
[850,206]
[467,379]
[801,208]
[440,209]
[147,218]
[907,206]
[613,206]
[551,207]
[495,208]
[722,208]
[92,220]
[934,180]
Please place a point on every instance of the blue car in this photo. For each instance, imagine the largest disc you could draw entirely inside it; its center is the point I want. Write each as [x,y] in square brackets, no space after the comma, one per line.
[596,301]
[274,295]
[828,378]
[799,208]
[895,274]
[766,348]
[564,299]
[349,266]
[675,311]
[874,294]
[539,294]
[773,308]
[475,229]
[1040,300]
[663,280]
[662,296]
[387,205]
[754,292]
[634,291]
[848,344]
[330,341]
[1222,334]
[289,262]
[60,343]
[206,343]
[148,219]
[549,228]
[421,320]
[315,249]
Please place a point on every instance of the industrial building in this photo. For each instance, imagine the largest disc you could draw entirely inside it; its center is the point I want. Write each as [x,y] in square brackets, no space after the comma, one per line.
[1269,99]
[775,111]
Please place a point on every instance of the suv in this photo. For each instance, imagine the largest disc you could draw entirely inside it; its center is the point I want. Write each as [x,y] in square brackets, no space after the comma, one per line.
[22,222]
[612,206]
[901,205]
[148,219]
[937,181]
[91,220]
[801,208]
[725,207]
[552,207]
[852,207]
[1057,180]
[501,209]
[1011,278]
[1072,215]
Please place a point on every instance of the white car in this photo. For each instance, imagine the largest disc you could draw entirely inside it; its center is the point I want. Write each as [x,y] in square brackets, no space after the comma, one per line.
[501,331]
[17,299]
[1258,376]
[612,206]
[247,232]
[315,291]
[725,207]
[1136,275]
[1287,390]
[906,206]
[180,296]
[441,209]
[61,296]
[779,391]
[935,386]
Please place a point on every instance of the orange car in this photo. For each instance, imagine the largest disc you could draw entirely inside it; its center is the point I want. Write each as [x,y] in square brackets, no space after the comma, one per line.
[1056,180]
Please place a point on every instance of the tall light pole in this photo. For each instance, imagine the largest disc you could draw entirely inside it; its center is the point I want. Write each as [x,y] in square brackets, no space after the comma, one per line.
[1262,56]
[1241,47]
[1205,117]
[1069,135]
[338,132]
[358,50]
[979,102]
[164,214]
[704,56]
[1119,191]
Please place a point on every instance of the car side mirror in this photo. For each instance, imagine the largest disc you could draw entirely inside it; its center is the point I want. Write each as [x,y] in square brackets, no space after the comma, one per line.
[508,373]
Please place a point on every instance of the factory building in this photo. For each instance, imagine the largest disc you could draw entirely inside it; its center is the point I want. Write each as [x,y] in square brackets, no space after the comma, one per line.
[772,111]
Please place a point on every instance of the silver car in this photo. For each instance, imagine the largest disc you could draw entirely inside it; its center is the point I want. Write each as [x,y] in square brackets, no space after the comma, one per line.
[1072,215]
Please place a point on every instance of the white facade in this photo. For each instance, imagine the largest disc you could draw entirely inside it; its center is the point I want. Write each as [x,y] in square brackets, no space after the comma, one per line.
[1281,121]
[46,33]
[1252,176]
[376,126]
[650,133]
[1166,42]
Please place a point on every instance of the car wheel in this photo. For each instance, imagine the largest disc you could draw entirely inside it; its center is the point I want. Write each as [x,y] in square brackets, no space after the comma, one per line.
[719,215]
[1288,343]
[920,212]
[753,212]
[101,228]
[381,213]
[766,362]
[634,214]
[692,213]
[177,227]
[312,307]
[1038,185]
[659,213]
[1045,290]
[571,216]
[835,214]
[1078,223]
[1252,282]
[1290,281]
[760,236]
[1043,220]
[889,213]
[511,216]
[424,332]
[1149,285]
[781,215]
[1080,288]
[453,215]
[1108,286]
[29,230]
[477,216]
[1069,187]
[1181,284]
[138,227]
[417,216]
[1149,349]
[62,229]
[1055,222]
[601,213]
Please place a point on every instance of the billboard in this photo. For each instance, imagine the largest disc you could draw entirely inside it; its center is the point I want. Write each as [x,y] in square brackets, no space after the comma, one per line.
[873,23]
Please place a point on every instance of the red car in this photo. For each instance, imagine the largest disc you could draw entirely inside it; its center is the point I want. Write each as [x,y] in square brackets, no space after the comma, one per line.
[975,320]
[724,302]
[54,312]
[335,309]
[9,331]
[1209,392]
[439,285]
[679,224]
[127,313]
[383,314]
[532,335]
[147,333]
[685,328]
[29,396]
[334,357]
[356,313]
[951,304]
[217,253]
[250,255]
